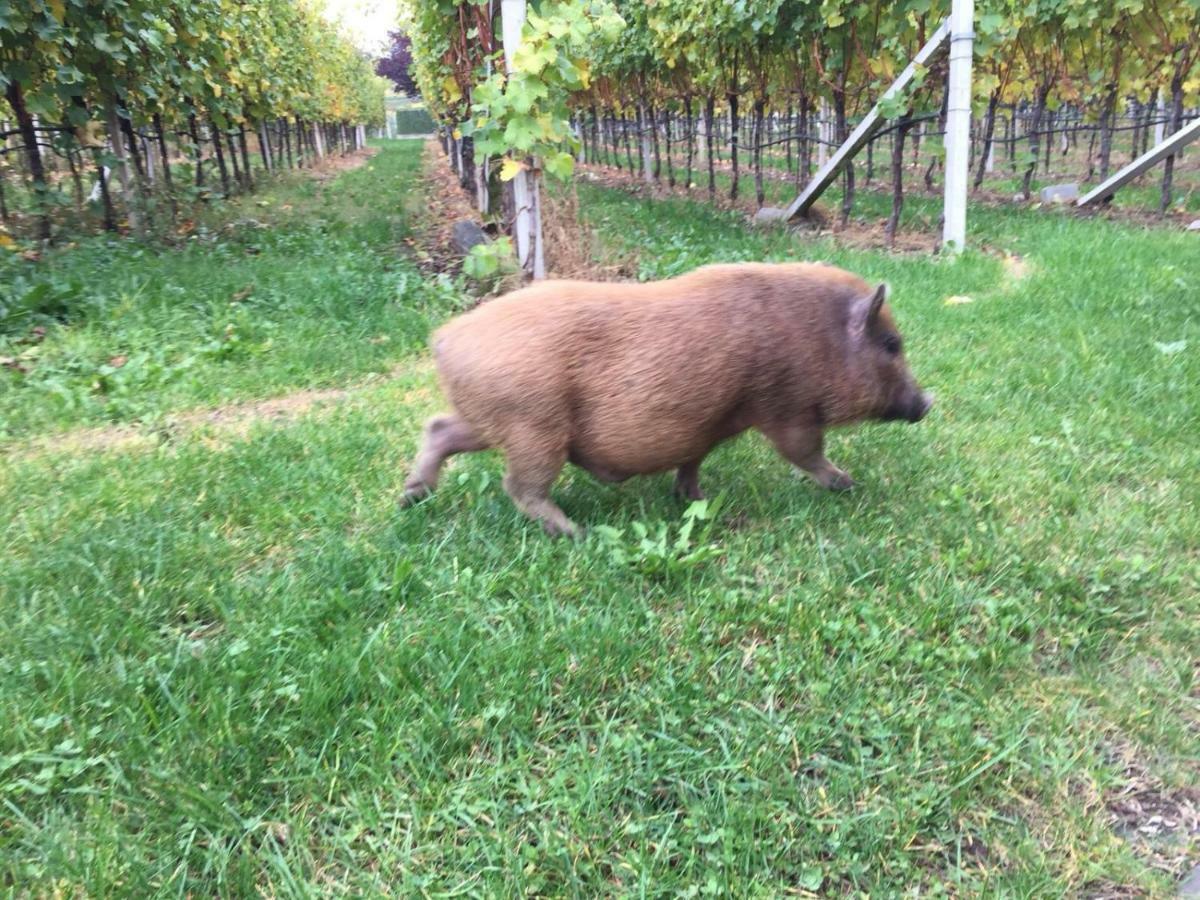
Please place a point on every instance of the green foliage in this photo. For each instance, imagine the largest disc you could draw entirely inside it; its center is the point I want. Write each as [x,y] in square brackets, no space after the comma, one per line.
[525,112]
[653,551]
[490,259]
[90,66]
[237,62]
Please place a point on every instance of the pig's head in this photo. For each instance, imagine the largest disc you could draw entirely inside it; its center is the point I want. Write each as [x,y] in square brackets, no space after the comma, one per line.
[889,390]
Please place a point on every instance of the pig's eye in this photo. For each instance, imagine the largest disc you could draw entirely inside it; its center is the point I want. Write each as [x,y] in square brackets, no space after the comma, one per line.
[891,344]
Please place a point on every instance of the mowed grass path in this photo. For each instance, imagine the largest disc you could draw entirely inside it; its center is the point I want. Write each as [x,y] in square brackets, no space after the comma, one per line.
[230,664]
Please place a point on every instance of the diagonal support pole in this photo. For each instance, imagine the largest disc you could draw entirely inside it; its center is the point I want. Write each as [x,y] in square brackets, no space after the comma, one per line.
[866,129]
[1173,144]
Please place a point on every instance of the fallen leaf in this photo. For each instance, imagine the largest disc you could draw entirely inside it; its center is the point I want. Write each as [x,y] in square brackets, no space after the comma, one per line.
[1015,266]
[117,361]
[379,339]
[242,294]
[1172,348]
[958,300]
[10,362]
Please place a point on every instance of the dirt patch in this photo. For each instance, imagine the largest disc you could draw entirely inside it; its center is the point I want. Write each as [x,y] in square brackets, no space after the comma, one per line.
[236,419]
[333,166]
[1172,220]
[571,245]
[1016,268]
[1160,821]
[442,202]
[226,423]
[873,236]
[1110,890]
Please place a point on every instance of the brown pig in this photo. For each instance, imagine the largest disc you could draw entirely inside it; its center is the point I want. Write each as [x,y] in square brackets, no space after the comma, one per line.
[631,379]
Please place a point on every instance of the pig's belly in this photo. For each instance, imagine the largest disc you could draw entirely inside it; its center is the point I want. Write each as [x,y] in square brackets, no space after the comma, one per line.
[617,453]
[616,466]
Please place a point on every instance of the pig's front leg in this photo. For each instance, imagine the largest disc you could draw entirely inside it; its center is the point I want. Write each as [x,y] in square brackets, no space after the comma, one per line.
[687,481]
[802,446]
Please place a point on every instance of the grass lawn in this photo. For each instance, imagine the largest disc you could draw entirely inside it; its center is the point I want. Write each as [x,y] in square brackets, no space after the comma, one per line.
[231,665]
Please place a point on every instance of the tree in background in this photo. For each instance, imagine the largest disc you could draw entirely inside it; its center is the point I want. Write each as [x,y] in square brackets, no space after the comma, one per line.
[396,63]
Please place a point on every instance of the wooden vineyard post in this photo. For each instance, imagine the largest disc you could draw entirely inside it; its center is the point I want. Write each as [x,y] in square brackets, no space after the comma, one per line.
[527,227]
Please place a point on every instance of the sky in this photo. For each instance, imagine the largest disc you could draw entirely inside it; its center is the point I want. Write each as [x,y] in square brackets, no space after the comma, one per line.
[367,22]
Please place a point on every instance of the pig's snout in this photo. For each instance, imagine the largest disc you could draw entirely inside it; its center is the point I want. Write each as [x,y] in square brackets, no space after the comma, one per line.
[910,406]
[921,404]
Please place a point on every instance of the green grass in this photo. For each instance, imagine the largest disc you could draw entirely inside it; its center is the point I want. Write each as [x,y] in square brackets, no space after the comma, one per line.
[281,290]
[231,665]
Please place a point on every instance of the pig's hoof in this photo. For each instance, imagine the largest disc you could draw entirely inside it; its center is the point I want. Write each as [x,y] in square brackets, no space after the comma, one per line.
[567,529]
[840,482]
[413,495]
[688,492]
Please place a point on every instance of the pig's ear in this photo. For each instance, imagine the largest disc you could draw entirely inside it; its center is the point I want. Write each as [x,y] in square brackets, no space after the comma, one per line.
[877,299]
[866,309]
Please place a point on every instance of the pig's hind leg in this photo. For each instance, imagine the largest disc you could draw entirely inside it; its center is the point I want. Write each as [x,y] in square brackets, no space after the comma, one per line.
[803,447]
[444,436]
[533,467]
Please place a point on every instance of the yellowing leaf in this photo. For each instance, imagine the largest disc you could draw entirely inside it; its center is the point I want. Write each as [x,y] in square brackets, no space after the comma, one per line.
[457,133]
[510,168]
[958,300]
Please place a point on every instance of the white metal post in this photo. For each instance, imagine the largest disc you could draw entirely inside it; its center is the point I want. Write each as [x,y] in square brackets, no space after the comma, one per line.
[958,124]
[512,18]
[1172,144]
